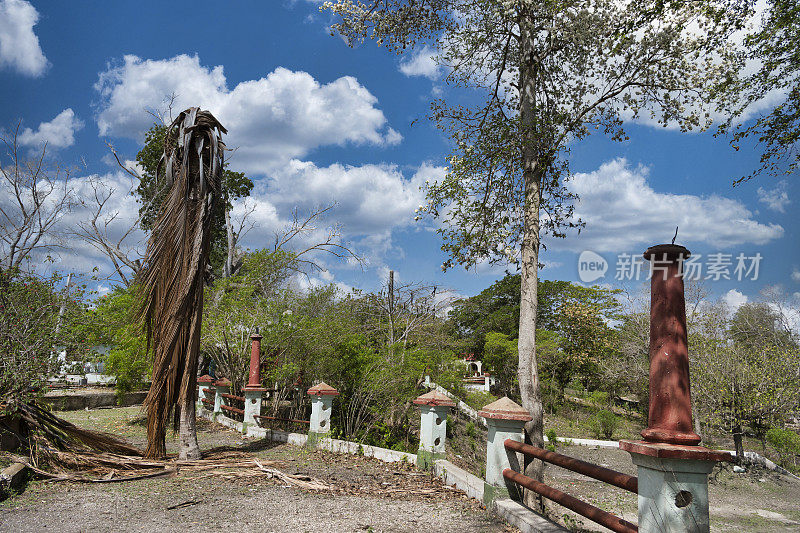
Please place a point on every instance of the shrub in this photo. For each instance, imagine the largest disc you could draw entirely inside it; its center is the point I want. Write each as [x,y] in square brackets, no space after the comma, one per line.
[470,429]
[478,399]
[552,440]
[604,424]
[599,398]
[786,442]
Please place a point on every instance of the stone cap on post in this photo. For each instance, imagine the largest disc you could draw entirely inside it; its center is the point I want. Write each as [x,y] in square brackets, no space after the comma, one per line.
[505,409]
[205,379]
[322,389]
[663,450]
[224,382]
[434,399]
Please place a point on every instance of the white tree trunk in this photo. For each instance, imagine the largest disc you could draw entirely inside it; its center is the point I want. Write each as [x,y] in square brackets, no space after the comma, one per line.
[188,432]
[228,269]
[529,254]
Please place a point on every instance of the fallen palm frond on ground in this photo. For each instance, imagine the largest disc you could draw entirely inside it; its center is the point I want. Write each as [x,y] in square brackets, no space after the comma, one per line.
[60,451]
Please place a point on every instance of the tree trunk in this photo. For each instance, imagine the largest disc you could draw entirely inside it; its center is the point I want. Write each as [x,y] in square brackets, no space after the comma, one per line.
[228,269]
[737,442]
[532,175]
[188,432]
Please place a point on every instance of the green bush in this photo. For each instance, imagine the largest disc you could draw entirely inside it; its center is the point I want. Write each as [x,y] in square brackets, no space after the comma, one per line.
[552,439]
[478,399]
[599,398]
[470,429]
[786,442]
[604,424]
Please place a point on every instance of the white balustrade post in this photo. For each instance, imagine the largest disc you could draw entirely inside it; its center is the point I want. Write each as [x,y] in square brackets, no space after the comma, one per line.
[223,386]
[434,407]
[205,384]
[322,396]
[504,420]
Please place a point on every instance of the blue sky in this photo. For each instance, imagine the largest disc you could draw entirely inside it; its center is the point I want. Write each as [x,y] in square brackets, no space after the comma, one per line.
[316,122]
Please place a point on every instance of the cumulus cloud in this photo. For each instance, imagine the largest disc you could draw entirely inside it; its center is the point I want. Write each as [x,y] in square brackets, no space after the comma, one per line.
[371,200]
[734,300]
[58,133]
[796,275]
[623,213]
[271,120]
[421,63]
[19,46]
[775,199]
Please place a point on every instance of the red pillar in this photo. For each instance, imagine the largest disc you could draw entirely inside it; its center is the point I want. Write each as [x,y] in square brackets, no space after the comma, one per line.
[670,414]
[254,380]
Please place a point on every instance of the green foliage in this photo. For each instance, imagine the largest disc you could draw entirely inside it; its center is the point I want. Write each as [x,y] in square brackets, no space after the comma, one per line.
[469,429]
[500,355]
[233,186]
[773,45]
[552,439]
[604,424]
[745,368]
[495,309]
[31,331]
[113,323]
[599,398]
[479,399]
[786,442]
[573,333]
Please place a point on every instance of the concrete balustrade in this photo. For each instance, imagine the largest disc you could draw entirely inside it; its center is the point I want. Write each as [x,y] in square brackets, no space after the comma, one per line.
[434,408]
[322,396]
[504,420]
[223,386]
[204,383]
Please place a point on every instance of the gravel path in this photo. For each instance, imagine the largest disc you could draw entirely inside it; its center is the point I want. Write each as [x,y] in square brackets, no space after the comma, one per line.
[361,501]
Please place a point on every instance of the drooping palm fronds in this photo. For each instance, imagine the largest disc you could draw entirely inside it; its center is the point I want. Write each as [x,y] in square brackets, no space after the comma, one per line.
[175,265]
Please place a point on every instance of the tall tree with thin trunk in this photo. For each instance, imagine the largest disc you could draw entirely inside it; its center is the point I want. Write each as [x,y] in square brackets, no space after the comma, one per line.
[173,275]
[546,74]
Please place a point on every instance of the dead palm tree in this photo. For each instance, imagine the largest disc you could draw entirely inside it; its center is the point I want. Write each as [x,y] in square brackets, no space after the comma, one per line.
[173,275]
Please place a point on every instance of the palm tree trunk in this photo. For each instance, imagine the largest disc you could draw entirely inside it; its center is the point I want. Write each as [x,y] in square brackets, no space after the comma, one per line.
[189,448]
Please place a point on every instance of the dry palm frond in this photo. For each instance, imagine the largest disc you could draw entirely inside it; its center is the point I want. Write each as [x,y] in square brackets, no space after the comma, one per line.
[46,433]
[175,264]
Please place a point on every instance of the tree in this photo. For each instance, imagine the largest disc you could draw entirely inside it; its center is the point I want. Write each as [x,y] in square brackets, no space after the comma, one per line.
[103,232]
[255,297]
[173,277]
[494,309]
[741,377]
[225,232]
[34,195]
[548,73]
[113,323]
[775,47]
[37,318]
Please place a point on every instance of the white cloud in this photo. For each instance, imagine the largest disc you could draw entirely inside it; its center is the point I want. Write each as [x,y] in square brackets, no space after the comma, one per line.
[58,133]
[372,201]
[795,274]
[623,213]
[734,300]
[271,120]
[421,63]
[775,199]
[19,46]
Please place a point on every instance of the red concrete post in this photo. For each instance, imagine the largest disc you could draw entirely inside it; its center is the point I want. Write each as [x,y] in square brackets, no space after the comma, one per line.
[670,415]
[254,380]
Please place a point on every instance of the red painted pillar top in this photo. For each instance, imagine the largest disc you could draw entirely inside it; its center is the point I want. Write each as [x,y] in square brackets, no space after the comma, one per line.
[254,380]
[670,414]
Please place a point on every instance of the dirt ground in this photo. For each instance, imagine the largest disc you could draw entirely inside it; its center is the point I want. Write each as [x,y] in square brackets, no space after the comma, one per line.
[369,496]
[756,501]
